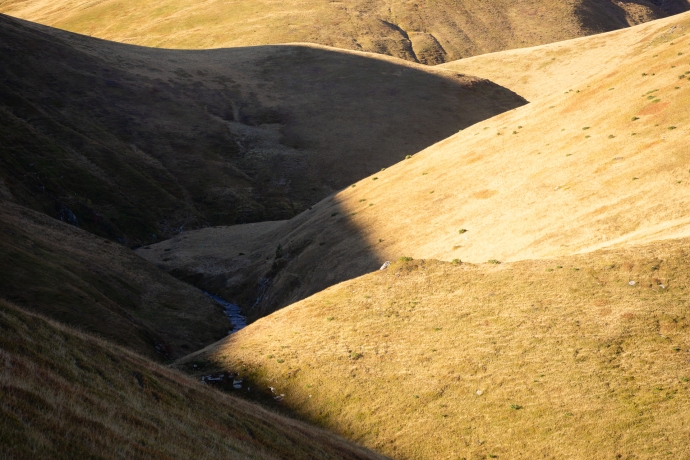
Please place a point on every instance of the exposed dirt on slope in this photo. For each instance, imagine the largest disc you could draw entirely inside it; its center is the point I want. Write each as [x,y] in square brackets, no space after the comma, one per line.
[427,31]
[139,144]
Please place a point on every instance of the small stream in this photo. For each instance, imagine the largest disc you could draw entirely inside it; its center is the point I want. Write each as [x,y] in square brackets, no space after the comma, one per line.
[233,312]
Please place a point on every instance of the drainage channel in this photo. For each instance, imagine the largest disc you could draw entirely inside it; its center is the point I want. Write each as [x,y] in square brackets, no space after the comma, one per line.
[233,312]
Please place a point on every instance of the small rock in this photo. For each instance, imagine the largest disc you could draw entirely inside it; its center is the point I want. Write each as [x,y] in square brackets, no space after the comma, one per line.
[631,283]
[385,265]
[479,392]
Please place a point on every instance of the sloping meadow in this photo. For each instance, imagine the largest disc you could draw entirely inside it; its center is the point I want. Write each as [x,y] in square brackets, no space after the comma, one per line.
[577,357]
[66,395]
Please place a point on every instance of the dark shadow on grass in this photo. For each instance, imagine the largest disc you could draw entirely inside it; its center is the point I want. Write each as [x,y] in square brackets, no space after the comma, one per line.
[139,144]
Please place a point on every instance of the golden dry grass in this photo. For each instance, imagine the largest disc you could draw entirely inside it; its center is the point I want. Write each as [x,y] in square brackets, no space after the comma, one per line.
[65,395]
[602,165]
[553,68]
[428,31]
[561,358]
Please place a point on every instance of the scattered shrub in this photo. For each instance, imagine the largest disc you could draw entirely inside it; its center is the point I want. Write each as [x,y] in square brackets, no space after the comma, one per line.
[635,118]
[494,261]
[462,230]
[456,262]
[406,259]
[333,214]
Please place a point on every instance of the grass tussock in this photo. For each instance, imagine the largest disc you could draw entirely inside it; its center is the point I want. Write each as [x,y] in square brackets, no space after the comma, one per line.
[65,395]
[560,358]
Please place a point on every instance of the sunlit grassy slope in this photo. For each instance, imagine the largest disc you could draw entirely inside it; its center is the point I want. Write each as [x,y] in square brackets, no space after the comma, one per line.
[428,31]
[575,357]
[101,287]
[557,67]
[66,395]
[604,164]
[140,143]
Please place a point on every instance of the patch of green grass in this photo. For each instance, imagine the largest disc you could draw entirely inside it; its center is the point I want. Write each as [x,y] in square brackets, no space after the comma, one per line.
[406,259]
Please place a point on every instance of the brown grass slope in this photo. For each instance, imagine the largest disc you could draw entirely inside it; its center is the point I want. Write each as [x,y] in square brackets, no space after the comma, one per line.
[575,357]
[545,70]
[67,274]
[137,144]
[66,395]
[427,31]
[602,165]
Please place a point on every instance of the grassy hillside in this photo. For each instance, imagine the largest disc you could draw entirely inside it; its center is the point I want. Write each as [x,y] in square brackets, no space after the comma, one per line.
[101,287]
[137,144]
[426,31]
[549,69]
[574,357]
[604,164]
[68,395]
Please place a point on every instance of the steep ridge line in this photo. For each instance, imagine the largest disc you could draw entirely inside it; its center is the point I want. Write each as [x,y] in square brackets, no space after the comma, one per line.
[462,28]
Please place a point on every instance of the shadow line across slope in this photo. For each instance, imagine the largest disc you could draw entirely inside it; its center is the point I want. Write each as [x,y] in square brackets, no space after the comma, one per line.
[140,143]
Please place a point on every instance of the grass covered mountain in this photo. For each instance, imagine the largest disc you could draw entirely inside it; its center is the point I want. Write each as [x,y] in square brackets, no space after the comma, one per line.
[137,144]
[426,31]
[571,357]
[602,163]
[101,287]
[68,395]
[557,67]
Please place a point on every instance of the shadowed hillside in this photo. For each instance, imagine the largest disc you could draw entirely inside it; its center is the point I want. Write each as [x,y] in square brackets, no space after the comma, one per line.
[100,287]
[602,165]
[575,357]
[66,395]
[137,144]
[426,31]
